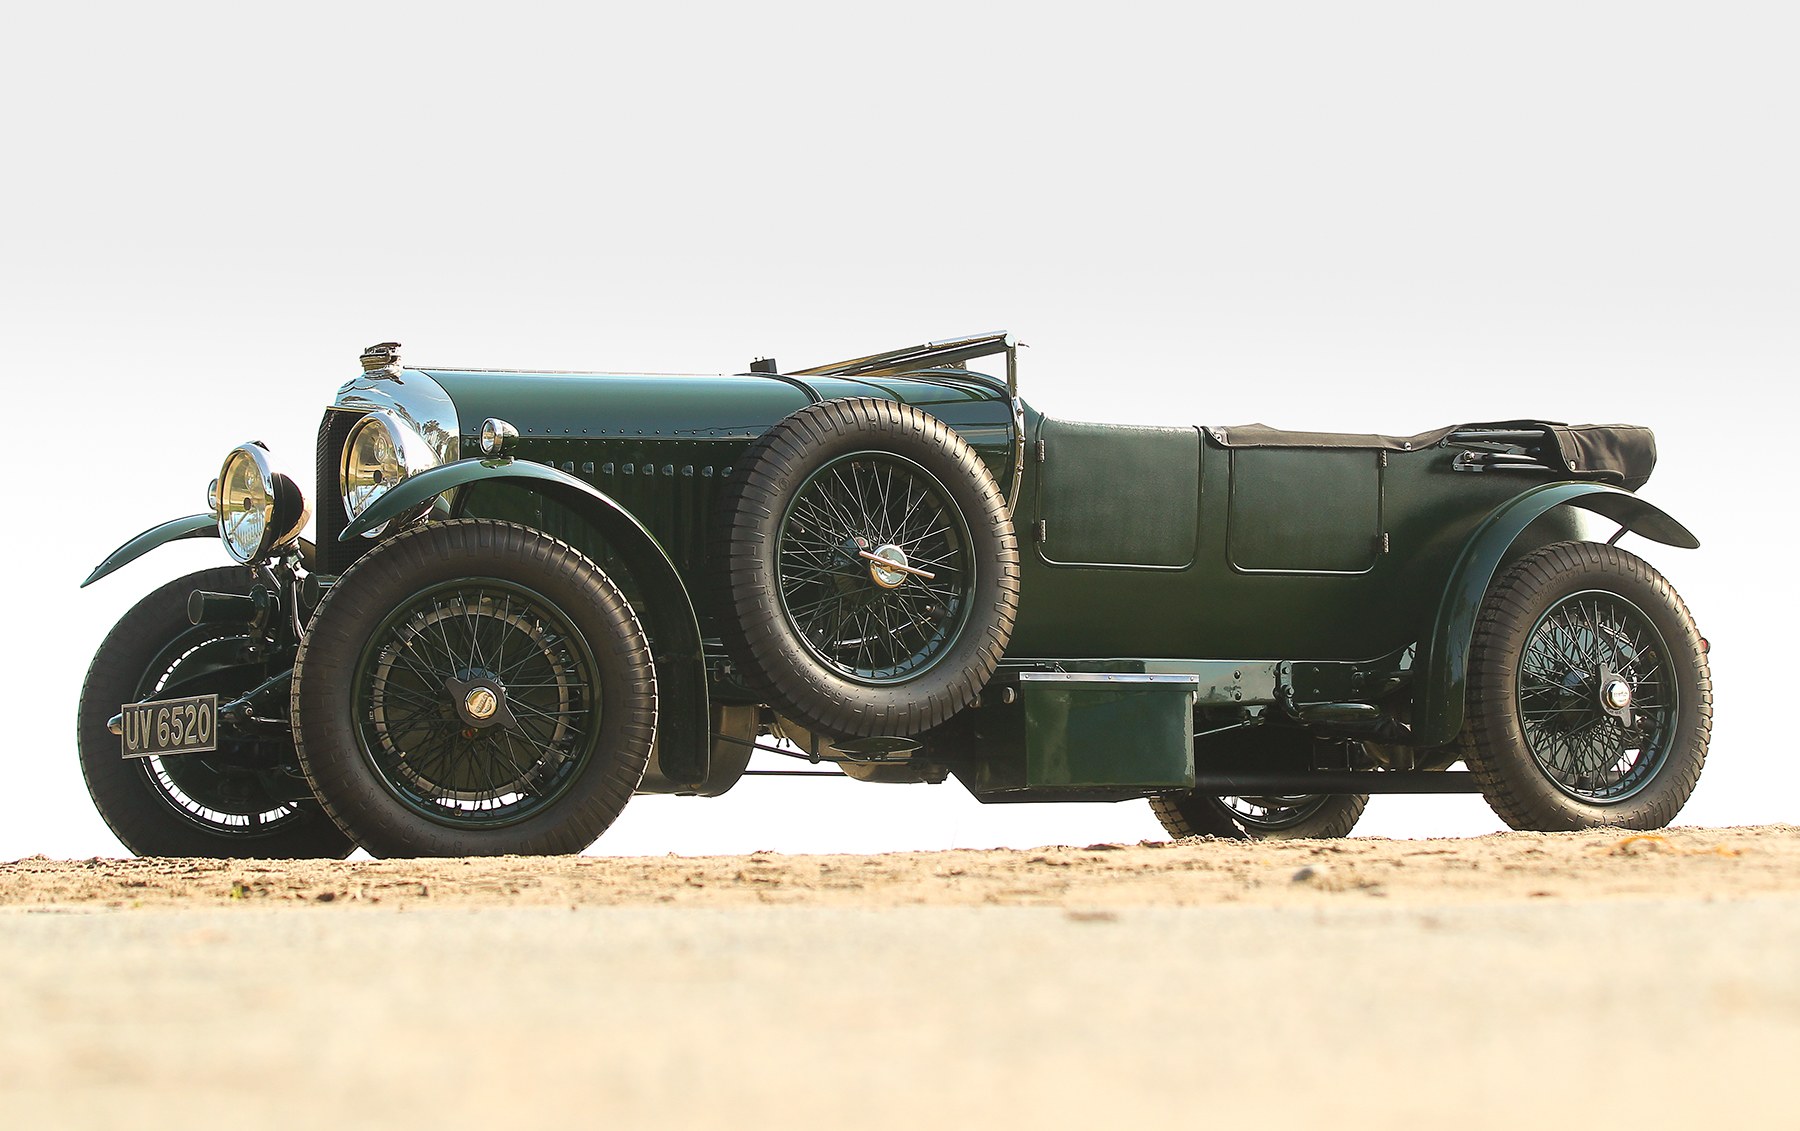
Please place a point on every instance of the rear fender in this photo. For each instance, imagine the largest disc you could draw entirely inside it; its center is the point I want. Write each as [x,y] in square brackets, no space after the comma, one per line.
[683,725]
[174,530]
[1444,654]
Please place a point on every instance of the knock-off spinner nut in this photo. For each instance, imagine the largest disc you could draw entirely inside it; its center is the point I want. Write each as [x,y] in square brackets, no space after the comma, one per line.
[481,703]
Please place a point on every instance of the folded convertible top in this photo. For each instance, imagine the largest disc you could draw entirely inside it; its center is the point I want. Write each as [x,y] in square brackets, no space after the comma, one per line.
[1622,454]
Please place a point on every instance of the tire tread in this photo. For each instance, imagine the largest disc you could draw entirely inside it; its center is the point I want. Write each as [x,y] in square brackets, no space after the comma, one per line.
[748,606]
[335,769]
[1501,766]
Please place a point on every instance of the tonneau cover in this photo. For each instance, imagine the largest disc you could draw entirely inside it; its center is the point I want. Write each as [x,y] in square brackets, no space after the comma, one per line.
[1601,451]
[1622,454]
[1263,436]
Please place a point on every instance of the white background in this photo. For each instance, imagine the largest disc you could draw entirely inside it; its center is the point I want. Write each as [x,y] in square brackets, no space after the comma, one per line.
[1368,217]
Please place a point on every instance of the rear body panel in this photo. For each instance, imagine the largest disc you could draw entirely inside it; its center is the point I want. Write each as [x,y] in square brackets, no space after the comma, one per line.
[1277,553]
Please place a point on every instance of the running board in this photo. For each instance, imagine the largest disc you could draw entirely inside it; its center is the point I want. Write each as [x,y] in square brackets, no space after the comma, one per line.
[1228,784]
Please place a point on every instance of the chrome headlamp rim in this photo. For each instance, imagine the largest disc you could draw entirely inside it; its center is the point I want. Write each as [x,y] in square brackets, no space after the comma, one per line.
[282,507]
[413,453]
[497,437]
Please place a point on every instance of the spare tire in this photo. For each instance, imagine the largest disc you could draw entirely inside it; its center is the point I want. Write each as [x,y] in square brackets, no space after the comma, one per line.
[867,569]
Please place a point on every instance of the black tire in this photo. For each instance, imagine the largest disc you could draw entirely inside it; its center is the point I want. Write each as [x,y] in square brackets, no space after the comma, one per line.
[1309,816]
[395,734]
[833,641]
[235,802]
[1564,628]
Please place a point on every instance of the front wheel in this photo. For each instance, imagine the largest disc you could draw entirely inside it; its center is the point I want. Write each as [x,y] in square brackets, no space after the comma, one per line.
[246,798]
[1302,816]
[1589,701]
[474,688]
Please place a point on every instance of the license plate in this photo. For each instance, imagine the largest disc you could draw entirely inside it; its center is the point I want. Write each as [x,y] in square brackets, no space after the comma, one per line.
[170,726]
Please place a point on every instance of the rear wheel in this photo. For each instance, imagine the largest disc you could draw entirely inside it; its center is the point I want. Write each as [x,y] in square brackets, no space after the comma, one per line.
[474,688]
[1302,816]
[247,798]
[1590,700]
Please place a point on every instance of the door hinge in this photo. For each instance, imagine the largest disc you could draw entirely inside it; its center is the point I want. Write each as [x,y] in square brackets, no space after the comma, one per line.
[1382,544]
[1380,459]
[1040,530]
[1040,451]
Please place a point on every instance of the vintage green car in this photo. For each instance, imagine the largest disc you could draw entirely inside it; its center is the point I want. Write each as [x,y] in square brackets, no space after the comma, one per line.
[531,595]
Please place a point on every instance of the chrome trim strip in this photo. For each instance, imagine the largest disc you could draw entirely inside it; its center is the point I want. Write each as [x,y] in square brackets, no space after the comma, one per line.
[1107,677]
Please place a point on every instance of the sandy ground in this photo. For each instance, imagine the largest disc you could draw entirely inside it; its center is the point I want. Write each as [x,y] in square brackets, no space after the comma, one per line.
[1587,979]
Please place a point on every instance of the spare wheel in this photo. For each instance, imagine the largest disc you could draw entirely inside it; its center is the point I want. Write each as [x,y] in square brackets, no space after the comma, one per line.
[867,569]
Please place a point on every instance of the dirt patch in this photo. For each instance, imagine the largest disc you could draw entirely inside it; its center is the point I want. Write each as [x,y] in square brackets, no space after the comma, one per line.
[1683,863]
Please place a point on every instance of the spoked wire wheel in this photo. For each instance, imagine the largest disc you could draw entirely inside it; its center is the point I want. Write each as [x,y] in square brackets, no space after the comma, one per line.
[1596,701]
[864,568]
[246,798]
[1290,816]
[1274,813]
[223,792]
[1589,697]
[1299,816]
[874,570]
[480,702]
[473,687]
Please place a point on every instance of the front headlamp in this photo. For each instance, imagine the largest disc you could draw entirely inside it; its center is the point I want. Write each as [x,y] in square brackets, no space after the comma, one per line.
[260,509]
[382,451]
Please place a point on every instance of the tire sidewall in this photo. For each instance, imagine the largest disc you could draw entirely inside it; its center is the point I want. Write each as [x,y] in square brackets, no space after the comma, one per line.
[139,814]
[1500,753]
[332,751]
[778,663]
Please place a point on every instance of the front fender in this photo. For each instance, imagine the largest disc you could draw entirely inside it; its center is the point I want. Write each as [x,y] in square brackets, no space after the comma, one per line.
[174,530]
[411,494]
[1443,660]
[684,720]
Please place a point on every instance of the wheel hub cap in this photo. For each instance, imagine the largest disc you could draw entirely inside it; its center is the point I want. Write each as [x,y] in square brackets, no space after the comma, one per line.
[479,699]
[481,703]
[888,578]
[1616,697]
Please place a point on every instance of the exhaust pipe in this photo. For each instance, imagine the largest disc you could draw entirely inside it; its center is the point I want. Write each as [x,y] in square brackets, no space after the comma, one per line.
[220,608]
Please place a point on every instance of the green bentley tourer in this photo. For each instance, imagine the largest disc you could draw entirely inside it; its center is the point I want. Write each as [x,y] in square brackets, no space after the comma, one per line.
[529,596]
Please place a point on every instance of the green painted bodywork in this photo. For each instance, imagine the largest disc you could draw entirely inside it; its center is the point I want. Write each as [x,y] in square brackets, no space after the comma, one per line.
[191,526]
[628,469]
[1345,560]
[1444,654]
[1297,577]
[617,539]
[1109,730]
[1141,547]
[428,485]
[690,420]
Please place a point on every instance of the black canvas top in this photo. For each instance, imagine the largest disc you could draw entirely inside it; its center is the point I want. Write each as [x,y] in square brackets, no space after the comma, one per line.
[1602,451]
[1621,454]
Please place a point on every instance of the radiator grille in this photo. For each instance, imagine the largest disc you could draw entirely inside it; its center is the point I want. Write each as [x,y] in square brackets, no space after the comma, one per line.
[328,503]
